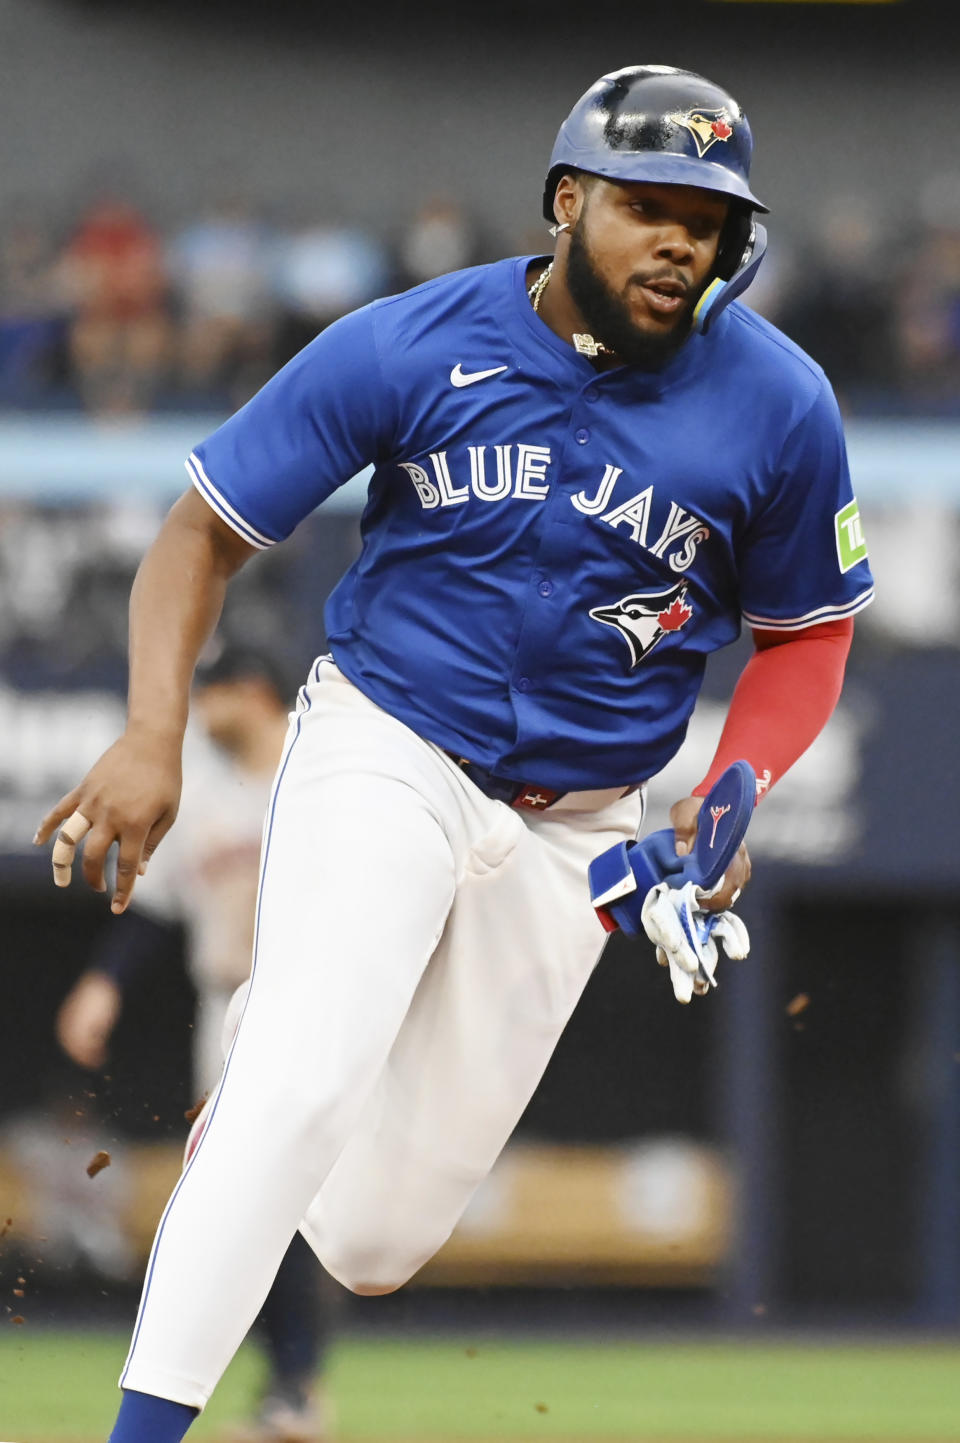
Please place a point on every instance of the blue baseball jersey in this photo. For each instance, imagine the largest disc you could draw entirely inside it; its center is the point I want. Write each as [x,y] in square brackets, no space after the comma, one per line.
[550,553]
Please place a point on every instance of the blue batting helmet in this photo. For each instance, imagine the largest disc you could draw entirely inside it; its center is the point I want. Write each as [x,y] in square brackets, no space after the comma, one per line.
[655,123]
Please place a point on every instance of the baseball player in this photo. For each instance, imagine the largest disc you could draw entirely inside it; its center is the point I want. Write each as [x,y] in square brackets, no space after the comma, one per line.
[206,877]
[587,470]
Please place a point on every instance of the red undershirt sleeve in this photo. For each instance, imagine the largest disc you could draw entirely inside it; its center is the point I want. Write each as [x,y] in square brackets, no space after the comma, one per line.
[784,698]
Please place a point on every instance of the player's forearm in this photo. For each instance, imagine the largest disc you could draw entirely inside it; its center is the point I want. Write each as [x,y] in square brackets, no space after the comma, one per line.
[175,603]
[783,700]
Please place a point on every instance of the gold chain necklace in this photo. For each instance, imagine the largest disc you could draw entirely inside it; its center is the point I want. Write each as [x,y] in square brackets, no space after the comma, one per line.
[582,342]
[539,286]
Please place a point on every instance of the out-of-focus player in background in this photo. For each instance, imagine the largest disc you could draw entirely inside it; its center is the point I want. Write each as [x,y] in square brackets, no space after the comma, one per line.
[587,471]
[206,879]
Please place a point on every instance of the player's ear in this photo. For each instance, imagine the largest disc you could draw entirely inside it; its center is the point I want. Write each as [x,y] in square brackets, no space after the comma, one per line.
[568,201]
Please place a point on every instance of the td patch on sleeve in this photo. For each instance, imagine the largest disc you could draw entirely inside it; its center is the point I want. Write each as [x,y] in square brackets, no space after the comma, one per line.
[851,544]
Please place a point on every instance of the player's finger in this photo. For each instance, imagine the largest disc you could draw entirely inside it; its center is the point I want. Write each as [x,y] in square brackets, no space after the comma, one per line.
[73,831]
[129,864]
[99,841]
[156,835]
[683,819]
[682,982]
[55,816]
[735,878]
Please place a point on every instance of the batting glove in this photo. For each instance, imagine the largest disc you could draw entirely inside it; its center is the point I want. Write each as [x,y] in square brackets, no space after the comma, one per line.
[686,937]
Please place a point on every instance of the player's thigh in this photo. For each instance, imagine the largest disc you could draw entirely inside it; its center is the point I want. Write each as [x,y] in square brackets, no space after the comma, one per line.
[360,844]
[519,946]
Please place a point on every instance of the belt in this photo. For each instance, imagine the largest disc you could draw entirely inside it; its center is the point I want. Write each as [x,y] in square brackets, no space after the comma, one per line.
[499,789]
[528,796]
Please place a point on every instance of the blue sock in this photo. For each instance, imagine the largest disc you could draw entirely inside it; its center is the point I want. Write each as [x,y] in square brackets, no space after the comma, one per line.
[146,1419]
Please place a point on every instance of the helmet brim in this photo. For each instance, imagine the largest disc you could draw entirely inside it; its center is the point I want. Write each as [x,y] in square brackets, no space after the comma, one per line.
[657,168]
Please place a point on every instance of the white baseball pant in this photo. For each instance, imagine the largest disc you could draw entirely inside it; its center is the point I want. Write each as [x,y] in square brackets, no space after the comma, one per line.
[419,950]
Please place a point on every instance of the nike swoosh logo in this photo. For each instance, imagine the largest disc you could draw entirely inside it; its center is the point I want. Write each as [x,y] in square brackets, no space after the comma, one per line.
[458,378]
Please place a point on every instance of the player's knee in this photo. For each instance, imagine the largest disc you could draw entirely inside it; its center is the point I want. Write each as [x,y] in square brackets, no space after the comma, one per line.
[374,1290]
[370,1272]
[370,1282]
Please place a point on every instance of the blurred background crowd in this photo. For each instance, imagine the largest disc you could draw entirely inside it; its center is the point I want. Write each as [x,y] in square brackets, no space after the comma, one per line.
[105,310]
[112,313]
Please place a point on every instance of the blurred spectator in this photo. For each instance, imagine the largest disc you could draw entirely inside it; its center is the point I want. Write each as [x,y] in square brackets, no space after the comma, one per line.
[121,335]
[32,322]
[322,271]
[928,309]
[839,308]
[220,268]
[440,238]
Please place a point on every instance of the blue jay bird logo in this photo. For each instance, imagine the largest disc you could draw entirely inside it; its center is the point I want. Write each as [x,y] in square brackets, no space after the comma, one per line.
[706,127]
[645,617]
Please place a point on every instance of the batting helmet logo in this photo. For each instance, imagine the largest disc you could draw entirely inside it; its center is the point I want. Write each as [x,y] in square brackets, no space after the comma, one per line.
[706,126]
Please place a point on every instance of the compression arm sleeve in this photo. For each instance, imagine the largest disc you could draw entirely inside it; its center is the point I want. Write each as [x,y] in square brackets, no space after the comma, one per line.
[784,698]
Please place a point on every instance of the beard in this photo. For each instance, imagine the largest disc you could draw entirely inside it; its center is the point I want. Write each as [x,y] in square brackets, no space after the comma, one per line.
[608,315]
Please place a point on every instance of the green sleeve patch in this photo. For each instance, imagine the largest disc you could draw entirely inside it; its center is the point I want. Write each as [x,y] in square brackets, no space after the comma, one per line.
[851,544]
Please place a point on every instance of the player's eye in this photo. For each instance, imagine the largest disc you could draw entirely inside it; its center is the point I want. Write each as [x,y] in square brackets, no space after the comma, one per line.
[706,226]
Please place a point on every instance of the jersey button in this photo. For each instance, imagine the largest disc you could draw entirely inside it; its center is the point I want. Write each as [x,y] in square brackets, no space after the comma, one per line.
[524,684]
[582,436]
[591,397]
[545,588]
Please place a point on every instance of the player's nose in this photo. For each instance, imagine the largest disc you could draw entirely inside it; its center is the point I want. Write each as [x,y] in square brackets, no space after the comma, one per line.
[674,243]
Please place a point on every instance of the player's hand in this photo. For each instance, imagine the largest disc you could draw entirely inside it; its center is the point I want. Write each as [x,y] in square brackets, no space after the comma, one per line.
[683,819]
[130,796]
[87,1017]
[686,936]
